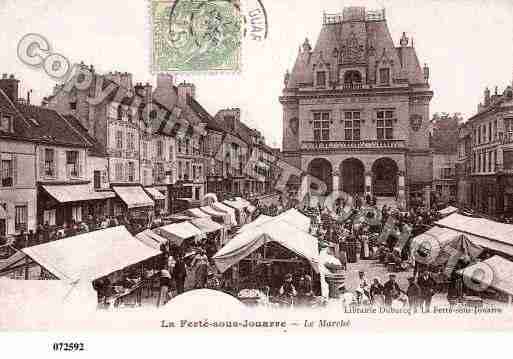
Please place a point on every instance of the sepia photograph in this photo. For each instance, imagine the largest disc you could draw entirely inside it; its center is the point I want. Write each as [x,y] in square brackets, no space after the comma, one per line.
[255,166]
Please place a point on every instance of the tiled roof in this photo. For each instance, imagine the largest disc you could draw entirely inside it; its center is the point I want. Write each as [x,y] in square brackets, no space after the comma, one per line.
[97,148]
[35,123]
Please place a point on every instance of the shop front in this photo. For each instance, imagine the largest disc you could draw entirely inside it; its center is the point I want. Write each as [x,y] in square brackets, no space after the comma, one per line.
[59,205]
[159,195]
[134,201]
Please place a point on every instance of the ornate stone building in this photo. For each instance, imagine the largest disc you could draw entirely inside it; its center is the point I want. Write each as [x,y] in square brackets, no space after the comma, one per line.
[356,108]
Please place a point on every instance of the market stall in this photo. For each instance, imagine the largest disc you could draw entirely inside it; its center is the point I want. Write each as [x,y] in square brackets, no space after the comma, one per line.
[221,217]
[240,211]
[177,233]
[447,211]
[151,239]
[220,207]
[493,274]
[296,219]
[262,256]
[494,236]
[197,213]
[215,233]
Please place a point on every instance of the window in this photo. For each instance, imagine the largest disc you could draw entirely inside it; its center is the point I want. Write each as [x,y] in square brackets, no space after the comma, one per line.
[384,125]
[508,126]
[20,218]
[200,172]
[6,123]
[321,78]
[352,77]
[72,166]
[494,130]
[180,170]
[483,133]
[118,172]
[160,174]
[494,160]
[321,126]
[131,172]
[446,173]
[49,162]
[489,132]
[49,216]
[160,150]
[490,161]
[145,150]
[187,145]
[171,153]
[384,76]
[179,141]
[187,171]
[73,105]
[194,172]
[130,143]
[119,139]
[7,173]
[352,125]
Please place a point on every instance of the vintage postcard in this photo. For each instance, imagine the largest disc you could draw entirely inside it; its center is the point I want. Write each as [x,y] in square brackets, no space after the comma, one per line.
[281,166]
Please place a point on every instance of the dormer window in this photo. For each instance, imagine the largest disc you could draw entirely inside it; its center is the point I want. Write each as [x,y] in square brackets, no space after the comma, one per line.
[352,79]
[321,78]
[384,76]
[6,123]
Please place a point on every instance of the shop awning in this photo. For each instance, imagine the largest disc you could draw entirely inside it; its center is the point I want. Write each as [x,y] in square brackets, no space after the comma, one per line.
[197,213]
[206,225]
[245,243]
[151,239]
[235,204]
[76,193]
[226,209]
[134,196]
[501,277]
[91,255]
[155,193]
[501,233]
[178,232]
[448,210]
[3,214]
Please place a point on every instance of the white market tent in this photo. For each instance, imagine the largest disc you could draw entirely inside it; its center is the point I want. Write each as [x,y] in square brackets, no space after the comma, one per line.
[484,232]
[218,206]
[235,204]
[206,225]
[91,255]
[178,232]
[448,211]
[197,213]
[40,304]
[151,239]
[296,219]
[502,274]
[245,243]
[257,222]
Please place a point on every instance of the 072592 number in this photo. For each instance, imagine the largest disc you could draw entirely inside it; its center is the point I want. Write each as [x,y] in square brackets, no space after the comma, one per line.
[68,347]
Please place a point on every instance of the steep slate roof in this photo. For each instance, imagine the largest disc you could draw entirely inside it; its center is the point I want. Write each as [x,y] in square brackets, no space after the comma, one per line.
[97,148]
[445,135]
[376,42]
[40,124]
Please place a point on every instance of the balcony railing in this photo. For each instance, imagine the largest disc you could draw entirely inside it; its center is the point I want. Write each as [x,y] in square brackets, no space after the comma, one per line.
[352,86]
[359,144]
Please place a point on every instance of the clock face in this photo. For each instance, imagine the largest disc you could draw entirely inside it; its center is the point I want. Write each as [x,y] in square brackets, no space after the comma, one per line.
[416,122]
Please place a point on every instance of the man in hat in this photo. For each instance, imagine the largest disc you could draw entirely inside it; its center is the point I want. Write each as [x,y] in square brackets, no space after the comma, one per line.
[200,262]
[391,290]
[288,289]
[413,293]
[427,290]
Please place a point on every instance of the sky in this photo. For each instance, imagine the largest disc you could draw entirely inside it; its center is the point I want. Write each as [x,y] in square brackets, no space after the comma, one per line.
[466,43]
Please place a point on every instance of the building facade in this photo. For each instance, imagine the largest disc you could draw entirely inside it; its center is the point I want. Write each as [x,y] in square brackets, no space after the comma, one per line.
[356,109]
[486,146]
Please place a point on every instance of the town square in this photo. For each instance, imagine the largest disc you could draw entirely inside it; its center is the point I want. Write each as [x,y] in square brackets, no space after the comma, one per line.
[128,190]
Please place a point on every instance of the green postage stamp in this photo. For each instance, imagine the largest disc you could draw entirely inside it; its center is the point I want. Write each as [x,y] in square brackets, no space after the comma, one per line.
[196,35]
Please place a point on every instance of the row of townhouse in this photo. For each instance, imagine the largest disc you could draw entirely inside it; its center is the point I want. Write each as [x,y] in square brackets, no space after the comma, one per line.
[485,157]
[74,157]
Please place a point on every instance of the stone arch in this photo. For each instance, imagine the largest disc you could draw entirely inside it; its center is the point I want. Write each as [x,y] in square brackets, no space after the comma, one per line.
[352,175]
[321,169]
[385,172]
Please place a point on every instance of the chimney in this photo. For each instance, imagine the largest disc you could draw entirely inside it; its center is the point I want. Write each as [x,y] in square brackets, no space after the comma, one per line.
[186,90]
[165,81]
[10,86]
[486,97]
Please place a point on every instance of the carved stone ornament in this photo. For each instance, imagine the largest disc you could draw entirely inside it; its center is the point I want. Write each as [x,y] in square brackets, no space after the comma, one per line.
[294,125]
[353,51]
[415,122]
